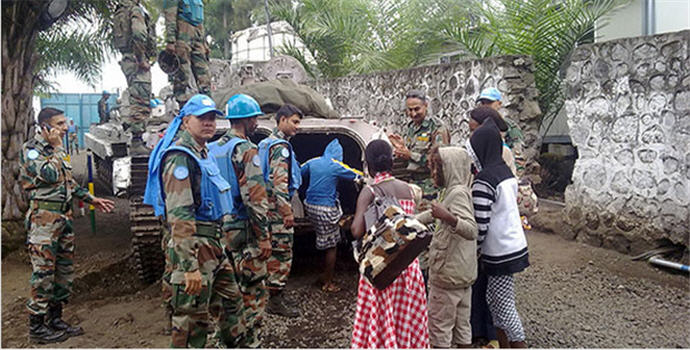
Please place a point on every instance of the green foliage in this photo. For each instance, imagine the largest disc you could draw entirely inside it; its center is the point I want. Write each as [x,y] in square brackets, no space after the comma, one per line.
[361,36]
[79,42]
[546,30]
[222,18]
[65,49]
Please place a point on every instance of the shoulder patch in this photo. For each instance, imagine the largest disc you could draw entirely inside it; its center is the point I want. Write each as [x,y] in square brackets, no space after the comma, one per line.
[181,172]
[285,152]
[33,154]
[256,160]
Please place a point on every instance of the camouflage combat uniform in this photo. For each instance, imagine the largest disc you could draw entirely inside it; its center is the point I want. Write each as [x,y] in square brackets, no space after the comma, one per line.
[190,48]
[103,112]
[281,237]
[196,245]
[242,236]
[47,177]
[134,35]
[419,139]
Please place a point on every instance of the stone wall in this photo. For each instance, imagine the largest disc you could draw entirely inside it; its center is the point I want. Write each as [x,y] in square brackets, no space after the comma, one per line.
[628,110]
[453,89]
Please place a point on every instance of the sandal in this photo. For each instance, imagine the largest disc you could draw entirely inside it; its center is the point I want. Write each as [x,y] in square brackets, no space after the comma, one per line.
[330,288]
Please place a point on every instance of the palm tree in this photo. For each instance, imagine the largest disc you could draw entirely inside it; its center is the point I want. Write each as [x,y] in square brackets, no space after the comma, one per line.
[77,42]
[546,30]
[360,36]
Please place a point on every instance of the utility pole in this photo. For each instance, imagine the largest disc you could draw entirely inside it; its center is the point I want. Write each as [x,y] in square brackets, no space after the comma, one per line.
[268,28]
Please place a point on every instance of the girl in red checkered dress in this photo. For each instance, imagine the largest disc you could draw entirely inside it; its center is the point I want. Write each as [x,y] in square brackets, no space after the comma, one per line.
[395,317]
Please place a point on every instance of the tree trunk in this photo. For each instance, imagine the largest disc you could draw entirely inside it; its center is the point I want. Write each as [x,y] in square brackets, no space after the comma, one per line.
[19,34]
[226,40]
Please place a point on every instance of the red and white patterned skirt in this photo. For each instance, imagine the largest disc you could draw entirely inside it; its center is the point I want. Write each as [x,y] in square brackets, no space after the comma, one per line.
[395,317]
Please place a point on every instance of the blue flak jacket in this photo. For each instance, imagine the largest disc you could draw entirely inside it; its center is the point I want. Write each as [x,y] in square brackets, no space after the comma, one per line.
[223,156]
[193,11]
[295,180]
[215,191]
[324,173]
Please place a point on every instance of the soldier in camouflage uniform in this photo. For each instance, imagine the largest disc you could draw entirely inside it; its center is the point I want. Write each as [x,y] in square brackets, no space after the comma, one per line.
[247,238]
[47,178]
[184,183]
[423,132]
[283,177]
[134,35]
[103,110]
[184,37]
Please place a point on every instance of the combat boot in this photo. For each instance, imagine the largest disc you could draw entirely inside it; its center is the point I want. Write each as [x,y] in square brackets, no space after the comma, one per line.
[277,305]
[42,334]
[56,323]
[138,148]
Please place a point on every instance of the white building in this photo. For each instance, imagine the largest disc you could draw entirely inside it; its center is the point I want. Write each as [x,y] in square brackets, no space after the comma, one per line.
[251,45]
[645,17]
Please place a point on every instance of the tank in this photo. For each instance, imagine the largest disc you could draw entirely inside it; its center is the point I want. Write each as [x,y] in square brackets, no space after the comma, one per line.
[127,175]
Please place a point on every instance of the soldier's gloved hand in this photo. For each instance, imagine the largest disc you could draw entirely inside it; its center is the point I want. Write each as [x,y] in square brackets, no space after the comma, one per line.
[289,221]
[170,48]
[192,282]
[265,247]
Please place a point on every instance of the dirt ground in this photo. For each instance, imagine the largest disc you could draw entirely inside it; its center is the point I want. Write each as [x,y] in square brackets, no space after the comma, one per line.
[573,295]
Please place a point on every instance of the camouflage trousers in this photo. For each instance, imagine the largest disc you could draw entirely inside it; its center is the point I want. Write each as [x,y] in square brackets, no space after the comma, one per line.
[50,242]
[251,276]
[168,252]
[279,263]
[219,301]
[139,89]
[73,144]
[192,51]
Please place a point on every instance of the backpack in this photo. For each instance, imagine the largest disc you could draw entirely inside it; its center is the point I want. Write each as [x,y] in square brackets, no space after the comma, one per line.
[378,206]
[122,28]
[392,241]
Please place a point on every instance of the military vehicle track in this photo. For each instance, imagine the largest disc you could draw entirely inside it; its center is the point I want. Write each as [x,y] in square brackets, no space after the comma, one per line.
[104,172]
[146,227]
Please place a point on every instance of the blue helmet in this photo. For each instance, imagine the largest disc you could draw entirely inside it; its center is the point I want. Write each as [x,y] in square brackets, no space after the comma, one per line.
[154,102]
[242,106]
[491,94]
[106,92]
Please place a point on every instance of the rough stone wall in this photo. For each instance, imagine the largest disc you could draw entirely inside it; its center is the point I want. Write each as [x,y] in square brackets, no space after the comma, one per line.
[628,108]
[453,89]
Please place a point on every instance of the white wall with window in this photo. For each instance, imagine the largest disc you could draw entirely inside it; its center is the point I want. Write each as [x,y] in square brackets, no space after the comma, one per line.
[645,17]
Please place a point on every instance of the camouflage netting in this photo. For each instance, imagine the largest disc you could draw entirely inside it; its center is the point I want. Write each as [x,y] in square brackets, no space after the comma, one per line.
[274,93]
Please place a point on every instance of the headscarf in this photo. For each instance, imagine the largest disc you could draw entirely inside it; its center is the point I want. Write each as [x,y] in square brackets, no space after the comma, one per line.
[486,149]
[482,113]
[153,194]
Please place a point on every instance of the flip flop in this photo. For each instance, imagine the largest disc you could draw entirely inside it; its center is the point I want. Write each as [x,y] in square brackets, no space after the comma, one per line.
[330,288]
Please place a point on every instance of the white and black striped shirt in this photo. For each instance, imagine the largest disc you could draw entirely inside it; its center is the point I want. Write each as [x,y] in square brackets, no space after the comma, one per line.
[501,239]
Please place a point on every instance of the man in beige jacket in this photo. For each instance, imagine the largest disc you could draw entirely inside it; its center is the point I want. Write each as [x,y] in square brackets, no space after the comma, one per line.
[453,250]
